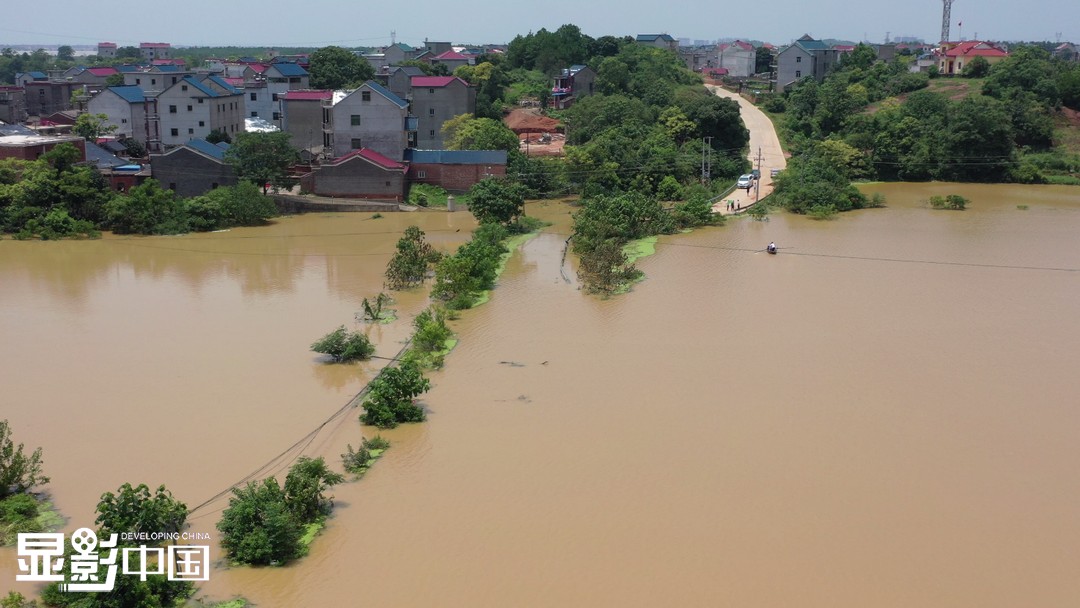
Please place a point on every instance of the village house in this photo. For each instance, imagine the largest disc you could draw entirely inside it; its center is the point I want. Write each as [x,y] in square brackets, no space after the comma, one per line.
[155,78]
[660,41]
[361,173]
[739,58]
[194,168]
[451,59]
[305,116]
[435,100]
[454,170]
[17,141]
[369,117]
[953,56]
[399,80]
[197,105]
[125,108]
[155,50]
[805,58]
[12,104]
[571,84]
[106,50]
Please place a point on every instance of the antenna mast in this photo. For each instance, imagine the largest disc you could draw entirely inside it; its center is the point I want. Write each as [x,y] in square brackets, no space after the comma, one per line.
[946,17]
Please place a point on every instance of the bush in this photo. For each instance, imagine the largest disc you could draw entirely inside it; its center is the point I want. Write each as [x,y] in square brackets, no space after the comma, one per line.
[344,346]
[604,268]
[19,473]
[391,396]
[431,332]
[135,510]
[358,461]
[952,201]
[669,189]
[460,278]
[822,212]
[258,526]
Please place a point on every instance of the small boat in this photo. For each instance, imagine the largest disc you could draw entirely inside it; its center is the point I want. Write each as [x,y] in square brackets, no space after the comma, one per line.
[771,249]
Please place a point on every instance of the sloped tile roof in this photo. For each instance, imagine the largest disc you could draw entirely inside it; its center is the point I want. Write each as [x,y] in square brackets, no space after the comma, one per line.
[435,81]
[372,157]
[130,94]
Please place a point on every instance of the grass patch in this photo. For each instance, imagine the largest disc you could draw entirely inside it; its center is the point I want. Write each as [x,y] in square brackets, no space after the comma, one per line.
[1022,207]
[24,513]
[233,603]
[639,248]
[432,360]
[310,532]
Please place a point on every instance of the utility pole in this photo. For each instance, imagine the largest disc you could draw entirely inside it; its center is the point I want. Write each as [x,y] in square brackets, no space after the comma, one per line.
[757,182]
[706,159]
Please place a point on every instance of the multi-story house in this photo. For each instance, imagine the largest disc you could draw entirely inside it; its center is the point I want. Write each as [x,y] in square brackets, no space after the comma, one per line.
[452,60]
[44,96]
[155,78]
[195,106]
[572,83]
[399,80]
[953,56]
[435,100]
[106,50]
[12,104]
[292,76]
[805,58]
[738,57]
[126,108]
[370,117]
[305,117]
[155,50]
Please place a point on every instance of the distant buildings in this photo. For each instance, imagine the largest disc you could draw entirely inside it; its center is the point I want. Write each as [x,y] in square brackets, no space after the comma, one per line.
[106,50]
[737,57]
[571,84]
[660,41]
[805,58]
[154,50]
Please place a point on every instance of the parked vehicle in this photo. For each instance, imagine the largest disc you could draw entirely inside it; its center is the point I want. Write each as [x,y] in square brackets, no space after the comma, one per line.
[744,181]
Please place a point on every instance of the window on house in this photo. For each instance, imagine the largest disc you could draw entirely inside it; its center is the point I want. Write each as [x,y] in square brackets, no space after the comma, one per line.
[172,109]
[798,59]
[254,114]
[174,132]
[138,81]
[274,97]
[365,95]
[431,91]
[421,174]
[253,97]
[202,123]
[431,133]
[798,73]
[174,79]
[277,115]
[355,143]
[200,100]
[354,120]
[123,121]
[190,131]
[387,184]
[172,186]
[431,111]
[153,81]
[189,108]
[213,186]
[183,87]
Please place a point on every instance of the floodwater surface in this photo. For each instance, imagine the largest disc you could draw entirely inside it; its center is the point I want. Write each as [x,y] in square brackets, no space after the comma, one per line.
[884,414]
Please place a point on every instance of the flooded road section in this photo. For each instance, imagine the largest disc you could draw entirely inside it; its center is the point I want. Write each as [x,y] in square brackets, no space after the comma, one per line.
[885,414]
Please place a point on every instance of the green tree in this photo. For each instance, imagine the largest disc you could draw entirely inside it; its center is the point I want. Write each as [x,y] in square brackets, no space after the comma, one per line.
[333,67]
[391,399]
[412,260]
[134,509]
[65,53]
[114,80]
[977,67]
[19,473]
[128,52]
[344,346]
[263,158]
[763,59]
[497,200]
[304,487]
[146,209]
[464,132]
[258,527]
[92,126]
[240,205]
[217,136]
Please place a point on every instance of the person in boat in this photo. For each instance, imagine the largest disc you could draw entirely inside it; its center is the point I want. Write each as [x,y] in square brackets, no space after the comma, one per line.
[771,248]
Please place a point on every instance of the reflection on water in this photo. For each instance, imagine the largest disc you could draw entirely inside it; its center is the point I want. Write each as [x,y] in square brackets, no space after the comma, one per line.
[883,415]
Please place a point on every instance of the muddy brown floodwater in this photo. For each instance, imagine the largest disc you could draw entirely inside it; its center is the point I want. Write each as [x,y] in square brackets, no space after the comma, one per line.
[885,414]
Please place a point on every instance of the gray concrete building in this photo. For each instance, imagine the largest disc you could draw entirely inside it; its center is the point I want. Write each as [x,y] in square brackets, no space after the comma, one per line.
[435,100]
[804,58]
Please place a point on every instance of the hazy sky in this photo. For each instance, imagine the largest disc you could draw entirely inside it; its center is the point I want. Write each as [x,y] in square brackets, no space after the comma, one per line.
[325,22]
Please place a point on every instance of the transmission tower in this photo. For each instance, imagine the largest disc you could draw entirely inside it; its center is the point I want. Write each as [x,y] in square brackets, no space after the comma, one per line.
[946,17]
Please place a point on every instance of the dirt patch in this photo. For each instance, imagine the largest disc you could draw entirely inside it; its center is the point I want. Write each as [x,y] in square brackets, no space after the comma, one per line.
[542,144]
[530,120]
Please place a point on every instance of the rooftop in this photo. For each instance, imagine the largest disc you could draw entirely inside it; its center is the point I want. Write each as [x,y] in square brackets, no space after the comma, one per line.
[216,151]
[308,95]
[435,81]
[289,69]
[130,94]
[372,157]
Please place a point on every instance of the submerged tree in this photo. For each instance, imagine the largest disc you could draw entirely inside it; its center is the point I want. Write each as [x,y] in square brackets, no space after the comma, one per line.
[411,262]
[19,472]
